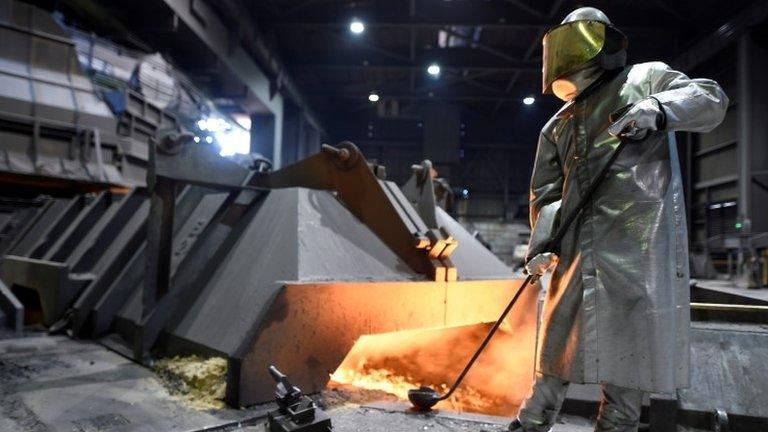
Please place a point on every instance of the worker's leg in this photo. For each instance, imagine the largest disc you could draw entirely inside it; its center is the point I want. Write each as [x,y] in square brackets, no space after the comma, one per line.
[619,410]
[538,411]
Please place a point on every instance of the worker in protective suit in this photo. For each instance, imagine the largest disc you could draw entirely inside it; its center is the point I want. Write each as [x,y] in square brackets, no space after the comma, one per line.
[617,308]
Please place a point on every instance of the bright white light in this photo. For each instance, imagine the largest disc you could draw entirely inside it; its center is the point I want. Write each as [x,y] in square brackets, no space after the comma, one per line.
[213,124]
[243,120]
[433,69]
[356,27]
[529,100]
[233,141]
[228,135]
[373,97]
[197,139]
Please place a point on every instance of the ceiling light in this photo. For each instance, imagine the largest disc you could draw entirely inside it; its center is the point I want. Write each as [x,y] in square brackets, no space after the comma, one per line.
[433,69]
[373,97]
[529,100]
[356,27]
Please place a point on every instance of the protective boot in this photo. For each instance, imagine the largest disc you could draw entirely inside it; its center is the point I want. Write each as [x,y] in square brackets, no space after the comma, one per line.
[539,411]
[619,410]
[517,426]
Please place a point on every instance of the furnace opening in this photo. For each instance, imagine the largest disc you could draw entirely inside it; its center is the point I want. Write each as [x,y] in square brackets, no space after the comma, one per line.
[397,362]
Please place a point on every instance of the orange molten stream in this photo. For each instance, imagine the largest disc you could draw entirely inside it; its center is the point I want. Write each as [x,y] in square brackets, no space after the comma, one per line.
[397,362]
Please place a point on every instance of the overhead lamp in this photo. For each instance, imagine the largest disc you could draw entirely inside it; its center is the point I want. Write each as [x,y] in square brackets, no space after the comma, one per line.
[529,100]
[433,69]
[356,26]
[373,97]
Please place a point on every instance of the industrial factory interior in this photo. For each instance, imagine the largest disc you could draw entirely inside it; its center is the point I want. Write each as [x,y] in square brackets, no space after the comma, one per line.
[383,215]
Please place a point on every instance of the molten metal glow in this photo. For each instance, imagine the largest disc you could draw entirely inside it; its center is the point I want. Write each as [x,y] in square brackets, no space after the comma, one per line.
[397,362]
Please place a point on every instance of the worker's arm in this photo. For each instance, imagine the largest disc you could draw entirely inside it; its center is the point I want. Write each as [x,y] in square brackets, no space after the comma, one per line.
[675,103]
[545,195]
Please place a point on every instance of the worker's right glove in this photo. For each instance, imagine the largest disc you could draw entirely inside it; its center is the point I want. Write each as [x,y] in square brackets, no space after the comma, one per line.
[636,121]
[539,264]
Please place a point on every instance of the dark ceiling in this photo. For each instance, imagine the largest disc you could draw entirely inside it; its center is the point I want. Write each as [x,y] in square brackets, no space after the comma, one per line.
[488,50]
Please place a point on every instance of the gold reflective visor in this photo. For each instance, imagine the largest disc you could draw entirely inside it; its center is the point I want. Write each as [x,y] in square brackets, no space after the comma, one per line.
[568,47]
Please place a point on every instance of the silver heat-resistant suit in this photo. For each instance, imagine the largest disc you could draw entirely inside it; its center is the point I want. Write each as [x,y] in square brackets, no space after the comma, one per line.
[617,309]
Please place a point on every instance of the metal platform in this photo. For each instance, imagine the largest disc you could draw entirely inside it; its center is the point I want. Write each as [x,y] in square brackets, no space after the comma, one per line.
[727,290]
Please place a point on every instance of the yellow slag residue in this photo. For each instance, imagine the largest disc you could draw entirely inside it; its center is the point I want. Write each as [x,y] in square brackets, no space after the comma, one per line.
[199,382]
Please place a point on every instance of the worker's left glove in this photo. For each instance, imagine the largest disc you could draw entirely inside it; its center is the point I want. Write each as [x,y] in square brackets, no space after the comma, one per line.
[645,116]
[539,264]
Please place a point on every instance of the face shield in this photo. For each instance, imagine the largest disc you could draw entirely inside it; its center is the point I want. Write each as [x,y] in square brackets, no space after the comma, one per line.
[570,47]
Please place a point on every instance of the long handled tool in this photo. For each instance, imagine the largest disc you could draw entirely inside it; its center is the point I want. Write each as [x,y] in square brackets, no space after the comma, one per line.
[424,398]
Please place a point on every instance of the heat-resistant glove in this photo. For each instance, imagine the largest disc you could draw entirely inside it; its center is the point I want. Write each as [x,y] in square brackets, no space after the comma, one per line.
[645,116]
[539,264]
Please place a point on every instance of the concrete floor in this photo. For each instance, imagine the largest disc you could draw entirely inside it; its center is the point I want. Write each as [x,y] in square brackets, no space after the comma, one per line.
[53,383]
[353,418]
[58,384]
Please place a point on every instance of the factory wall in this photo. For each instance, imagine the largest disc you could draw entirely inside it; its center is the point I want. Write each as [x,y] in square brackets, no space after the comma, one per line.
[726,170]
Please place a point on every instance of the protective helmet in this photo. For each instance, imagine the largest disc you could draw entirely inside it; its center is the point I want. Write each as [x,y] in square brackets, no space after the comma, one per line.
[585,37]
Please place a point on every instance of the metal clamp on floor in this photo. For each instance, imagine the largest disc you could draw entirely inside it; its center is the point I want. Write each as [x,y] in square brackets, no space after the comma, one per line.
[296,412]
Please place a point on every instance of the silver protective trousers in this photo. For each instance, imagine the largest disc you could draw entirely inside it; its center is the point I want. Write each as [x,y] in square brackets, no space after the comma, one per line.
[619,409]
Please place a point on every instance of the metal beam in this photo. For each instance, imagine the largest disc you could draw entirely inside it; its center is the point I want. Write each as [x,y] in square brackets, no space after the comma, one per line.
[370,46]
[744,121]
[725,35]
[450,81]
[480,45]
[407,67]
[226,41]
[490,23]
[523,6]
[449,96]
[528,53]
[360,55]
[300,6]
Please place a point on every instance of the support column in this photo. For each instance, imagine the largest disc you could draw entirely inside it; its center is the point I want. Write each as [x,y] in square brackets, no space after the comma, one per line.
[745,113]
[157,270]
[263,135]
[442,136]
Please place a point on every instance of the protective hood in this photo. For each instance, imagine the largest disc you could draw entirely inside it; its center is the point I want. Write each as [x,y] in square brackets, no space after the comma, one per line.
[572,46]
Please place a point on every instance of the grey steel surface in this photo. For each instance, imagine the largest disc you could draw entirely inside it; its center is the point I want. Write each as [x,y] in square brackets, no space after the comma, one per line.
[52,281]
[473,259]
[378,204]
[38,227]
[229,254]
[44,93]
[124,238]
[11,308]
[729,370]
[191,276]
[294,235]
[728,292]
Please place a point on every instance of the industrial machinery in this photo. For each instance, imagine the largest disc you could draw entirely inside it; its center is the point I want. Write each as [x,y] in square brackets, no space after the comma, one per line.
[288,267]
[296,411]
[157,245]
